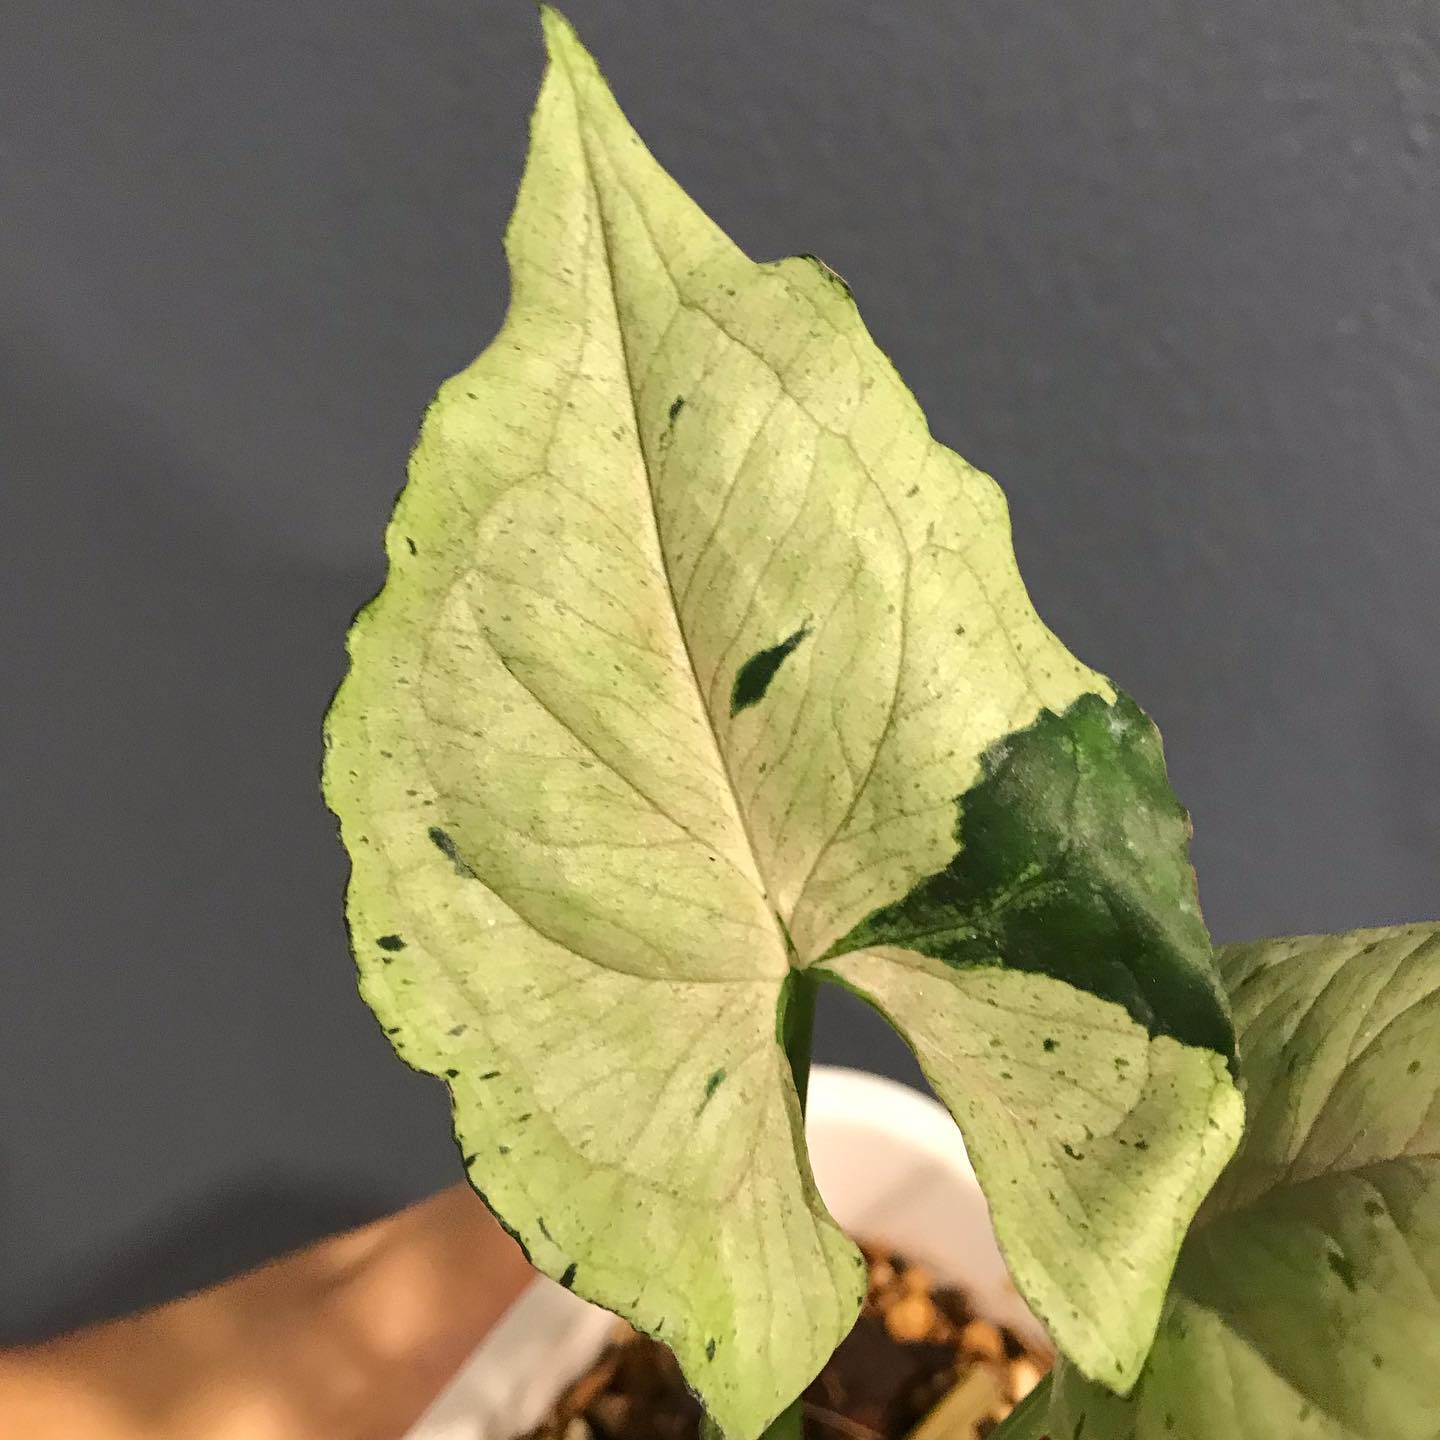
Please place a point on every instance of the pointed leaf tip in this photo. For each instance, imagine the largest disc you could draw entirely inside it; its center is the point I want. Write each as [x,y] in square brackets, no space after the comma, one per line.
[558,31]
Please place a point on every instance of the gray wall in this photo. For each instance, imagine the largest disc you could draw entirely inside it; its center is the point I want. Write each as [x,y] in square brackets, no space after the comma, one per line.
[1172,272]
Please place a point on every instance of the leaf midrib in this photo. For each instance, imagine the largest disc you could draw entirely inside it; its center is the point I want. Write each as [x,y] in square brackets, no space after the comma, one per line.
[751,849]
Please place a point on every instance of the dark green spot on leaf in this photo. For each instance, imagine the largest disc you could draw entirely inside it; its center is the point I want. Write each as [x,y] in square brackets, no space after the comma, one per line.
[446,846]
[1343,1268]
[753,678]
[711,1086]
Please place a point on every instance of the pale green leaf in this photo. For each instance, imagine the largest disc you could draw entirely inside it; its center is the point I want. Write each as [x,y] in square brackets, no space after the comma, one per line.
[1306,1303]
[701,663]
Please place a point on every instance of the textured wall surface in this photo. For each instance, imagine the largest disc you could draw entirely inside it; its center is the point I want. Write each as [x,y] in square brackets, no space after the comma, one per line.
[1172,273]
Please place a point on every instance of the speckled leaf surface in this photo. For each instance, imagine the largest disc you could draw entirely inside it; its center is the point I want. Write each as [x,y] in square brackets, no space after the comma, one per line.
[1306,1303]
[700,661]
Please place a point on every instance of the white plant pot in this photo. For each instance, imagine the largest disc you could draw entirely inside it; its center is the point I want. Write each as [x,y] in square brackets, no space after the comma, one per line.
[891,1167]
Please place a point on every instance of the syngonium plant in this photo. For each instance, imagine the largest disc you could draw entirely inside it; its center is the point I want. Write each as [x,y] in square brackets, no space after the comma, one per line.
[703,676]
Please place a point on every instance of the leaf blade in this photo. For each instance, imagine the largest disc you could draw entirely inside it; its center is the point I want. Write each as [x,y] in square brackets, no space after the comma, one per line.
[669,464]
[1090,1183]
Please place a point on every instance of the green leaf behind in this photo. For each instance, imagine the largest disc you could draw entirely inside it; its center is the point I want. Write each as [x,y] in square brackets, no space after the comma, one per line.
[1307,1299]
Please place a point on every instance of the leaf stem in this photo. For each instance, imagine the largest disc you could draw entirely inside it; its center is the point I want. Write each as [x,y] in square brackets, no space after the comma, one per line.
[797,1027]
[795,1030]
[787,1425]
[1029,1420]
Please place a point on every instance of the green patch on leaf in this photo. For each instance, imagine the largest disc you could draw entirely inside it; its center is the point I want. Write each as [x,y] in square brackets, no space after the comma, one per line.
[1072,862]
